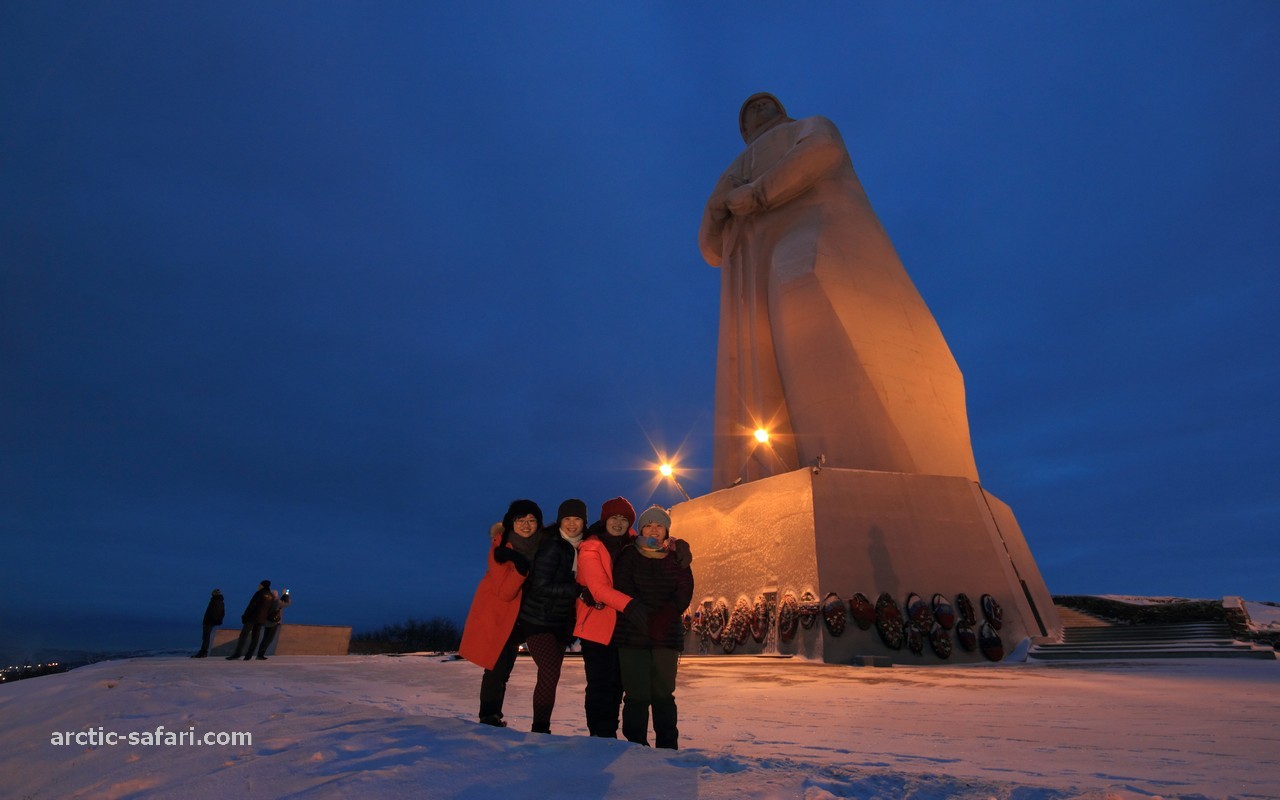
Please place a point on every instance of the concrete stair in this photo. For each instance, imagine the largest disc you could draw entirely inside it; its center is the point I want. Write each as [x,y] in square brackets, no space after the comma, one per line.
[1106,642]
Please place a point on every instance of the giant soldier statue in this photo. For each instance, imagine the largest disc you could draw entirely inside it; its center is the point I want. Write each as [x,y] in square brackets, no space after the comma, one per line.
[865,485]
[824,341]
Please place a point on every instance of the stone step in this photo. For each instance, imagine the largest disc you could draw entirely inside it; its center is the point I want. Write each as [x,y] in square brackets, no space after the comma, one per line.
[1061,653]
[1121,642]
[1079,619]
[1148,632]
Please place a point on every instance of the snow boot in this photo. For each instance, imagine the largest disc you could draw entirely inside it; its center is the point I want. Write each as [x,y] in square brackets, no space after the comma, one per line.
[665,732]
[635,722]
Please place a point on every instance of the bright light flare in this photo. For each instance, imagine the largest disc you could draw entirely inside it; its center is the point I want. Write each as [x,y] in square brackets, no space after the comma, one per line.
[762,435]
[666,470]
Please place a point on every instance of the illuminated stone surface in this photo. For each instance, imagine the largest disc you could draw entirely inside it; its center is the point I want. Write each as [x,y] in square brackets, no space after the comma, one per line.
[824,340]
[826,345]
[848,531]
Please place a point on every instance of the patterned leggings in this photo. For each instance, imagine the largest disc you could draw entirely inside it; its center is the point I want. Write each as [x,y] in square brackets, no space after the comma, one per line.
[548,654]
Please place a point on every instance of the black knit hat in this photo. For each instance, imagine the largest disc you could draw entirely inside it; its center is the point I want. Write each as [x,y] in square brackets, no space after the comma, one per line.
[520,508]
[573,507]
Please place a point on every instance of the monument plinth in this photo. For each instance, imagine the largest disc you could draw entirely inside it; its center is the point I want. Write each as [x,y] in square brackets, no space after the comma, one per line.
[857,501]
[858,531]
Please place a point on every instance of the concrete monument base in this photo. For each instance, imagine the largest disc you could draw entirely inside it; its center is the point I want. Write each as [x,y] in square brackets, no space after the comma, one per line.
[855,531]
[292,640]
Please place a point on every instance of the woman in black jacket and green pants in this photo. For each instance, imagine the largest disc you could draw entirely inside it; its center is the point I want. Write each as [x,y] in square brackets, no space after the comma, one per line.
[651,572]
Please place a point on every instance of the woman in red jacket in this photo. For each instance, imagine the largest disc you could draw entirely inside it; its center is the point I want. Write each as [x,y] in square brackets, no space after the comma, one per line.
[489,636]
[598,611]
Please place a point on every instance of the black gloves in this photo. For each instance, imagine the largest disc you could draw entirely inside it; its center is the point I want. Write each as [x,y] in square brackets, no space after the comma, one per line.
[637,615]
[503,554]
[680,550]
[589,600]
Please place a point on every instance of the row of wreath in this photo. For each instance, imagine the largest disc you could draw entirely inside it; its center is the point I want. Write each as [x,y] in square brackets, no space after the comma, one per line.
[931,622]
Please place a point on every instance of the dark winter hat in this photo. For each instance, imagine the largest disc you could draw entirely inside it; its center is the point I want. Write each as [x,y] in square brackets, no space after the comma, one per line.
[573,507]
[265,584]
[618,505]
[654,514]
[521,508]
[217,592]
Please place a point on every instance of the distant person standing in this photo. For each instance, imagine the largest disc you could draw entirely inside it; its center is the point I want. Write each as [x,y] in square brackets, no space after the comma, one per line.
[252,620]
[276,613]
[652,571]
[213,615]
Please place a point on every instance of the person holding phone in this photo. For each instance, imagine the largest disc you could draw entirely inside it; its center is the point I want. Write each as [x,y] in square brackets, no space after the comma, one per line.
[278,605]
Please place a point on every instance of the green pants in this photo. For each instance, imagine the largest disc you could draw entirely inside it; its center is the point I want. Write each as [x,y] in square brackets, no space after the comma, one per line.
[649,681]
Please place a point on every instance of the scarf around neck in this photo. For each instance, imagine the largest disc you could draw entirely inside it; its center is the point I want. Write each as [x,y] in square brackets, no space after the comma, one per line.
[523,546]
[652,548]
[575,541]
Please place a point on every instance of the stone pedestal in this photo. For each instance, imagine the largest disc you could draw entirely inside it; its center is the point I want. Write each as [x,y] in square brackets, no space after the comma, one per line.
[292,640]
[849,531]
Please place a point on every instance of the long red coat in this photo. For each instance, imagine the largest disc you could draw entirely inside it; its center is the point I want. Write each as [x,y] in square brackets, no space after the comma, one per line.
[493,611]
[595,571]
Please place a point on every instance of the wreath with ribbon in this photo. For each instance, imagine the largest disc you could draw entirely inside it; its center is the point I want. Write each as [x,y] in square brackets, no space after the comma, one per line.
[833,613]
[915,638]
[943,613]
[889,622]
[989,642]
[759,622]
[711,624]
[964,610]
[992,611]
[863,613]
[788,617]
[917,611]
[735,632]
[809,608]
[940,639]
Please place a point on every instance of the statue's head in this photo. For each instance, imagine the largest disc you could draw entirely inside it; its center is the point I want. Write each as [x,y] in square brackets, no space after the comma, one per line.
[760,112]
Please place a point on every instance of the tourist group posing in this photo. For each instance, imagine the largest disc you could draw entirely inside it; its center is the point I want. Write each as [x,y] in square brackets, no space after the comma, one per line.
[620,590]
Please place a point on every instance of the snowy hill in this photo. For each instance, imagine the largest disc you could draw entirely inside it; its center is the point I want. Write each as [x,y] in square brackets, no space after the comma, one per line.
[385,727]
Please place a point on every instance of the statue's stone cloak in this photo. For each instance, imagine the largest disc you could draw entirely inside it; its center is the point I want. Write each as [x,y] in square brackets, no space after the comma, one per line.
[824,339]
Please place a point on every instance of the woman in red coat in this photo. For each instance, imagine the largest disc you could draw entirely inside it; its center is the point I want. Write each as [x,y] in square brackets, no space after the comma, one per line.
[598,611]
[489,636]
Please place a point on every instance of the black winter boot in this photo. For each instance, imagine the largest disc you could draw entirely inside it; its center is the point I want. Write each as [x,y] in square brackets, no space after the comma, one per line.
[541,719]
[635,722]
[665,732]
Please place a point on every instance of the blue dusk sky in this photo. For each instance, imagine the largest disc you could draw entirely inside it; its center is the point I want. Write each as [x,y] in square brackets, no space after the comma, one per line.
[310,291]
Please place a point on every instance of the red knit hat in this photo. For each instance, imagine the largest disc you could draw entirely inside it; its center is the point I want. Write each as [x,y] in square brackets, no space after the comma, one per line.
[618,505]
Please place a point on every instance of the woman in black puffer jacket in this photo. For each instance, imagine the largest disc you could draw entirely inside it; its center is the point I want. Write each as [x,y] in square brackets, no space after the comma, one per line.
[547,608]
[657,575]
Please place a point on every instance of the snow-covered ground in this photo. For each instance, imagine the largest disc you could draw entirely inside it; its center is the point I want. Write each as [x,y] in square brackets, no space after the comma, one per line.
[387,727]
[1263,616]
